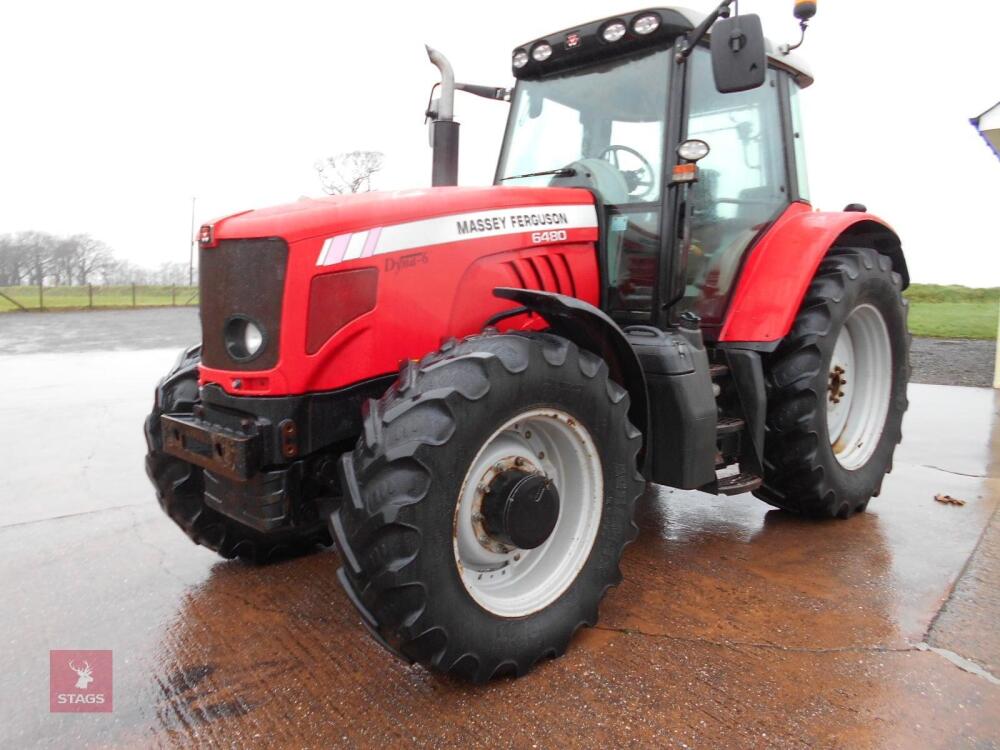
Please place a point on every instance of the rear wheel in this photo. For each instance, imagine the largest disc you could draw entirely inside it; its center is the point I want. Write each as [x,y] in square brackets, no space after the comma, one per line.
[180,485]
[837,389]
[489,502]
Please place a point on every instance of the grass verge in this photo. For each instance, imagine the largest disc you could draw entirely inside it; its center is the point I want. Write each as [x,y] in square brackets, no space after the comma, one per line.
[82,298]
[953,312]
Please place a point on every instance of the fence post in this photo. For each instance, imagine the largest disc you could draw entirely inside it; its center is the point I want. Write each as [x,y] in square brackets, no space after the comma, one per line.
[173,295]
[133,294]
[41,295]
[90,295]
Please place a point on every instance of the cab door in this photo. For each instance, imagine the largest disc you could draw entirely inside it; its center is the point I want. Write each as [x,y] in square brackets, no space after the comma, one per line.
[744,183]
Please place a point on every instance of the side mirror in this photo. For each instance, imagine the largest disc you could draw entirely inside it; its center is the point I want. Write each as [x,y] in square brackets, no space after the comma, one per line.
[739,60]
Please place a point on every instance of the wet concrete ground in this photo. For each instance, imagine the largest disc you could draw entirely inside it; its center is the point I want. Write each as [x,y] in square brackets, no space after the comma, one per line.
[736,625]
[98,330]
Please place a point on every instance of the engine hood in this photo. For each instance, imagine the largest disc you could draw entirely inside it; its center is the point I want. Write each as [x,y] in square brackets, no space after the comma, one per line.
[310,217]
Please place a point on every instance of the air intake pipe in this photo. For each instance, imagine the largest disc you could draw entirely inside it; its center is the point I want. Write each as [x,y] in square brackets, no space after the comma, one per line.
[444,129]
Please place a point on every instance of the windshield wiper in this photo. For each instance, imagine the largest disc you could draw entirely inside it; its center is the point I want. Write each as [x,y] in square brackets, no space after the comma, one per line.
[561,172]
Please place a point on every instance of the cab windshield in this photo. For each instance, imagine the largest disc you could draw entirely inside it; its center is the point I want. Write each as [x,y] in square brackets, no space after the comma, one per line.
[601,128]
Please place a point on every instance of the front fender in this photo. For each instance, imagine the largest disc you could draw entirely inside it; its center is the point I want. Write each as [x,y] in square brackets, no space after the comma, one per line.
[780,267]
[591,329]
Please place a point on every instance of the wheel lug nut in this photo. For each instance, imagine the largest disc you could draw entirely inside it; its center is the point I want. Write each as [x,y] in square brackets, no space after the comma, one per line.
[518,461]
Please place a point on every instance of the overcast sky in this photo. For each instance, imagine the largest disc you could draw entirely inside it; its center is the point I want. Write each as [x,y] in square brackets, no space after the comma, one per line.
[113,115]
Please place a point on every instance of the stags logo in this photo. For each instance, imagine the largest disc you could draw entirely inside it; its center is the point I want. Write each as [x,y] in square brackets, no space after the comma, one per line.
[80,681]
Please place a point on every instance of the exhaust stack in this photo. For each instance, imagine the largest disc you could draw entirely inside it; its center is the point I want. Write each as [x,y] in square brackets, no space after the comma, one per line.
[444,129]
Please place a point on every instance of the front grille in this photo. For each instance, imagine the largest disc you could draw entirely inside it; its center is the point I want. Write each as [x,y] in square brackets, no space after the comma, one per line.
[247,278]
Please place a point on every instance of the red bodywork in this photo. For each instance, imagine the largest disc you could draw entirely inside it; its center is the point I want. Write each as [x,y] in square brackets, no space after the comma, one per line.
[780,267]
[356,319]
[423,294]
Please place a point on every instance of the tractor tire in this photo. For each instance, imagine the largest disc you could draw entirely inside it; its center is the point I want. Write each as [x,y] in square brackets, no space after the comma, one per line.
[837,389]
[180,485]
[427,574]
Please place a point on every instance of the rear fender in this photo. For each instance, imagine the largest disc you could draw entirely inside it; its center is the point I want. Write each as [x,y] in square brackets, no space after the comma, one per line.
[779,269]
[591,329]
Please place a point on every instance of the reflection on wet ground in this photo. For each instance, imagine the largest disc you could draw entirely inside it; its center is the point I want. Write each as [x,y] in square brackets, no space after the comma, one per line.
[98,330]
[736,625]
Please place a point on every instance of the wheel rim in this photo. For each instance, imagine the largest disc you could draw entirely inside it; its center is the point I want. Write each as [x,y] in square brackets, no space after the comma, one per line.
[859,386]
[513,582]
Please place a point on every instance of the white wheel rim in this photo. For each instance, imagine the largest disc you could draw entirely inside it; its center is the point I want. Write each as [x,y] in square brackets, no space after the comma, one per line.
[512,582]
[859,387]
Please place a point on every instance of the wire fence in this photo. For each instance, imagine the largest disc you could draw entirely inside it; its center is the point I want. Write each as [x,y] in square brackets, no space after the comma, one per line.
[35,298]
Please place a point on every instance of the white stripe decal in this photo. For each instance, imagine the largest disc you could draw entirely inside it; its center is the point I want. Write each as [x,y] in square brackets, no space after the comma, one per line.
[356,245]
[333,250]
[325,252]
[455,228]
[471,226]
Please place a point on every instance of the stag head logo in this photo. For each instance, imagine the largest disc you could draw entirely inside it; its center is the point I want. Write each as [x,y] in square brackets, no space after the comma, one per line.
[81,680]
[84,676]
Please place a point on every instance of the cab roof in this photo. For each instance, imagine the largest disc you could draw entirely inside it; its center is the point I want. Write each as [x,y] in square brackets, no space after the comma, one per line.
[583,44]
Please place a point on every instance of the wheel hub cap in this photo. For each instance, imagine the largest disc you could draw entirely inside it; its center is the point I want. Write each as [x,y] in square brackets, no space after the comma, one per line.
[528,512]
[520,509]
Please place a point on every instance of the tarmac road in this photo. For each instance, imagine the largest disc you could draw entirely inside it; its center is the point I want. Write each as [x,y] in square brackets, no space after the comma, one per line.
[736,625]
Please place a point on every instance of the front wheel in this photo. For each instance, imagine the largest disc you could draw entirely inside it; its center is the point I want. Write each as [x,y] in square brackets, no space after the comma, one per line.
[180,486]
[837,389]
[489,502]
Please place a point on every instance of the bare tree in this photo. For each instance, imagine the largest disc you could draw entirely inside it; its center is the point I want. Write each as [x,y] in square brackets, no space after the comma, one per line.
[39,249]
[90,257]
[15,261]
[121,272]
[41,258]
[349,172]
[172,274]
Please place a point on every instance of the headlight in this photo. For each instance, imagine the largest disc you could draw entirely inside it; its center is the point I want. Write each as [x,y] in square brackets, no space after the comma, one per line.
[244,338]
[647,23]
[253,337]
[520,58]
[614,31]
[542,52]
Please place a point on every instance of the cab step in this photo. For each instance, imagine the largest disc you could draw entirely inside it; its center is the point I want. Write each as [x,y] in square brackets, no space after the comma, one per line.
[729,425]
[737,484]
[717,371]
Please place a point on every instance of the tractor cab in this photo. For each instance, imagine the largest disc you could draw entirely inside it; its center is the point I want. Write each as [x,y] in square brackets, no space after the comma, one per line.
[605,107]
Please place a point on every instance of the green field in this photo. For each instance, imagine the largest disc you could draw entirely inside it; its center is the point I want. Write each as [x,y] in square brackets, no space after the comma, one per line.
[938,311]
[80,297]
[953,311]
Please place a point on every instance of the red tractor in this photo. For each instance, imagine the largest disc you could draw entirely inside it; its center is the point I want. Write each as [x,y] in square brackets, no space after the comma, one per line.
[466,390]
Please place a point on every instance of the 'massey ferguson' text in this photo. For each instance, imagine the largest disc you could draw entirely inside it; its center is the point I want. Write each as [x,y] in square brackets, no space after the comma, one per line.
[515,221]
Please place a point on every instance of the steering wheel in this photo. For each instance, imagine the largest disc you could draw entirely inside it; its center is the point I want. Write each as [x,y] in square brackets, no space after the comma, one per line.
[635,179]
